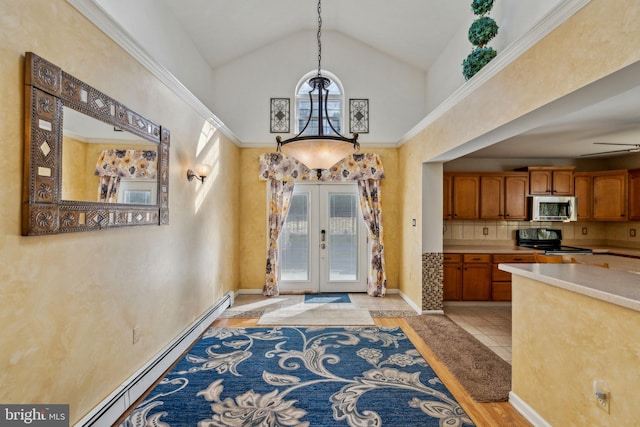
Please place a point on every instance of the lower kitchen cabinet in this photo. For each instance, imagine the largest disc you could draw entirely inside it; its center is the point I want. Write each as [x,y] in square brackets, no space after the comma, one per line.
[501,280]
[476,277]
[467,277]
[452,279]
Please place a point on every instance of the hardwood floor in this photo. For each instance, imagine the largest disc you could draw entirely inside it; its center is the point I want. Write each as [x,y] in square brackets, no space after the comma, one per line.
[482,414]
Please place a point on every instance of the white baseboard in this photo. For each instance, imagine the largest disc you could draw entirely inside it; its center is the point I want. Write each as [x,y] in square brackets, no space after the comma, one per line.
[408,301]
[107,412]
[249,291]
[527,411]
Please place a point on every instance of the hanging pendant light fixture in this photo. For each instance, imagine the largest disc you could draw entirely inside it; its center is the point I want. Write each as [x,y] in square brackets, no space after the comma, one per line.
[319,151]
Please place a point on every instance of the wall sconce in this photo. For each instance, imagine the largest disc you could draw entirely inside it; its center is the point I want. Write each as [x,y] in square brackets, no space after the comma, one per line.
[201,172]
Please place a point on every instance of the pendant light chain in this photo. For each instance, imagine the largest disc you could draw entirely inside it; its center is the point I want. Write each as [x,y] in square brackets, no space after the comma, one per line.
[318,151]
[319,34]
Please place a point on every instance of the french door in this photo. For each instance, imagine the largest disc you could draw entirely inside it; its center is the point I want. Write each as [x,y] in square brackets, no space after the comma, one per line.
[323,243]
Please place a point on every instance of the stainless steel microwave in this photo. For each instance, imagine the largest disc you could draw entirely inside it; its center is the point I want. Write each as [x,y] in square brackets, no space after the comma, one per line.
[553,208]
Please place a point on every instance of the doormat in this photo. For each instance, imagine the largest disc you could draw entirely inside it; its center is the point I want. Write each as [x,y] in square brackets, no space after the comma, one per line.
[284,376]
[334,298]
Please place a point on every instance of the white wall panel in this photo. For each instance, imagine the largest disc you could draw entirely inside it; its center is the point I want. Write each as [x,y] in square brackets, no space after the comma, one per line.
[242,89]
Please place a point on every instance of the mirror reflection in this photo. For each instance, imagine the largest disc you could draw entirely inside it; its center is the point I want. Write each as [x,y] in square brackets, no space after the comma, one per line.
[102,163]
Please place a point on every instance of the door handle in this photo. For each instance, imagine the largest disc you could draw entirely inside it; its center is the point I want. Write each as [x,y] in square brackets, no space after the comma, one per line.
[323,238]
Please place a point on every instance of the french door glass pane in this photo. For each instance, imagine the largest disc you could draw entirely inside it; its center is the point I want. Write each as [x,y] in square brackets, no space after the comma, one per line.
[294,240]
[343,237]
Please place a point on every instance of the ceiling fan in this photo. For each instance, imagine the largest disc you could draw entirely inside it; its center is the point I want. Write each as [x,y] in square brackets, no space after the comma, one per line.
[635,149]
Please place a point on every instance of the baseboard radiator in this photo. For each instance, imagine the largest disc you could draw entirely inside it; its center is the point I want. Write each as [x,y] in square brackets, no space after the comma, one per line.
[107,412]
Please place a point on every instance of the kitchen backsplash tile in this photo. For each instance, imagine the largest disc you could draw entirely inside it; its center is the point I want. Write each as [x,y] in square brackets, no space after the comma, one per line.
[612,233]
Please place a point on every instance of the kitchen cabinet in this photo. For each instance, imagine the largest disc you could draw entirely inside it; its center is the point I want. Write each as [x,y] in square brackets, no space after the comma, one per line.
[503,195]
[634,195]
[491,197]
[550,180]
[447,192]
[515,196]
[467,277]
[584,194]
[610,195]
[465,196]
[452,277]
[501,280]
[476,277]
[499,195]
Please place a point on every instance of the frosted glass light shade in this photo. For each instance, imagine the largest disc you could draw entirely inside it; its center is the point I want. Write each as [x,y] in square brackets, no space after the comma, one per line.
[202,170]
[318,153]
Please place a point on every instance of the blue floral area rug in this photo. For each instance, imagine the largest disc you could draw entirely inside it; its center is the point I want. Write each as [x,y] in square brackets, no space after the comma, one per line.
[327,298]
[300,376]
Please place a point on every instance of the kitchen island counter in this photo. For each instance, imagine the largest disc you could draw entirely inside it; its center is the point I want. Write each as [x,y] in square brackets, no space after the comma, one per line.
[614,286]
[572,325]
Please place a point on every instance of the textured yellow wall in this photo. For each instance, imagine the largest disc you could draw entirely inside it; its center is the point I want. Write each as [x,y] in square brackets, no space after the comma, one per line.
[598,40]
[74,176]
[253,193]
[69,302]
[562,342]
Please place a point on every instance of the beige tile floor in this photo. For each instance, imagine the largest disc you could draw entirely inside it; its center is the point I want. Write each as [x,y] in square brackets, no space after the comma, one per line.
[490,324]
[258,303]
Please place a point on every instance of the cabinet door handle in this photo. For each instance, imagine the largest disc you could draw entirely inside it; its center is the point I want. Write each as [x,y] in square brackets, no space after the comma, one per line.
[518,259]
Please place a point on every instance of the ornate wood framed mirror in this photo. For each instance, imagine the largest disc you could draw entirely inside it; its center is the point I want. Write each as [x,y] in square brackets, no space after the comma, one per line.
[90,162]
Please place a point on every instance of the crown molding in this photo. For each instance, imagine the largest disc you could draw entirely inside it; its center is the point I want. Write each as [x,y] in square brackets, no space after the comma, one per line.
[554,18]
[101,19]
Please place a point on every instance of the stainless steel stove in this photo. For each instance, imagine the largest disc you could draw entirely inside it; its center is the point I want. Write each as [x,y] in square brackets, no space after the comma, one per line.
[547,240]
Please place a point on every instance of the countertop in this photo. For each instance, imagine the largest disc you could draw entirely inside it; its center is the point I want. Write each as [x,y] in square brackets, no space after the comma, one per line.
[618,258]
[511,248]
[617,287]
[487,249]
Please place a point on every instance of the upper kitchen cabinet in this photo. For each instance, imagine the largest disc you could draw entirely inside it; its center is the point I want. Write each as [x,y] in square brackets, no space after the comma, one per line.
[515,196]
[491,196]
[610,195]
[447,192]
[550,180]
[465,195]
[584,194]
[503,195]
[634,195]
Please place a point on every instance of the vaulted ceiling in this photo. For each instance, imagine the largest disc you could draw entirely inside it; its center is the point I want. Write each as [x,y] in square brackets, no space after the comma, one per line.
[414,32]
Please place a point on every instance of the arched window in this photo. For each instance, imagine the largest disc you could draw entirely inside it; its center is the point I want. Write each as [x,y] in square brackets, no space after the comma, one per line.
[334,105]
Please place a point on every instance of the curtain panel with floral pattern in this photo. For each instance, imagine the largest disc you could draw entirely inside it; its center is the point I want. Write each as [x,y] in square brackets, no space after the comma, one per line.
[114,164]
[365,169]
